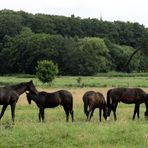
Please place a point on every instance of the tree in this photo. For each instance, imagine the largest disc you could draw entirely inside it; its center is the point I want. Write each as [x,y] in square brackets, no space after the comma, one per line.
[87,56]
[120,54]
[46,71]
[10,23]
[71,42]
[142,46]
[25,49]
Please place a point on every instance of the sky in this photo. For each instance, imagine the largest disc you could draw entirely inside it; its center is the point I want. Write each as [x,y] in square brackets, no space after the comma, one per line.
[110,10]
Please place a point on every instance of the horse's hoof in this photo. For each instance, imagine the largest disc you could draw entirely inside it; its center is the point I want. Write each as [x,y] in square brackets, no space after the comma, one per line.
[107,118]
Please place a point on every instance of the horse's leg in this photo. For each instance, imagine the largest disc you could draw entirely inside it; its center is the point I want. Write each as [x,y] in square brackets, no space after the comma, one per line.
[13,112]
[92,111]
[40,114]
[72,115]
[100,113]
[88,113]
[3,110]
[136,109]
[114,110]
[67,116]
[43,114]
[146,112]
[67,113]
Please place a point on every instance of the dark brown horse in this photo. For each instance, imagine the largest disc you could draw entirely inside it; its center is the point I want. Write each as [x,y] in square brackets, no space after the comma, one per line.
[126,95]
[51,100]
[9,95]
[93,100]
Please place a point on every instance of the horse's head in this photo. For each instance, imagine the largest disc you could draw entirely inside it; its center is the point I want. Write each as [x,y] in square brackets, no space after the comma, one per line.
[146,114]
[31,87]
[146,105]
[30,96]
[105,113]
[146,98]
[108,111]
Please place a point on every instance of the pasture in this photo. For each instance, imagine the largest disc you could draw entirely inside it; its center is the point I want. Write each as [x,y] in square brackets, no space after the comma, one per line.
[55,132]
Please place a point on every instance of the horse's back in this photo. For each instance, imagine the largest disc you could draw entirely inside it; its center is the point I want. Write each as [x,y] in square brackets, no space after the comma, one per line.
[65,93]
[89,95]
[7,95]
[61,97]
[65,96]
[101,98]
[94,98]
[127,95]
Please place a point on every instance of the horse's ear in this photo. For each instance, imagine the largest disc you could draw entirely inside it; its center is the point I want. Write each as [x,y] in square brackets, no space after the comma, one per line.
[31,81]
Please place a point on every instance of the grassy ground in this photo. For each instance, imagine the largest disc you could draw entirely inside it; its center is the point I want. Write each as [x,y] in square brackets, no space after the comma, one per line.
[103,80]
[55,132]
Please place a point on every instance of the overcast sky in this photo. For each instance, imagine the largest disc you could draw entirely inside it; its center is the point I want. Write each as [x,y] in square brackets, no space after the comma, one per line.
[111,10]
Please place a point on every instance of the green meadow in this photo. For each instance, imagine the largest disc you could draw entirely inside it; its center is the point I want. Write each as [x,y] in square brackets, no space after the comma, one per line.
[56,133]
[112,79]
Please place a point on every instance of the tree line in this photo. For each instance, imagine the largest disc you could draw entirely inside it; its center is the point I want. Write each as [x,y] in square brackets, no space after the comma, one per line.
[78,46]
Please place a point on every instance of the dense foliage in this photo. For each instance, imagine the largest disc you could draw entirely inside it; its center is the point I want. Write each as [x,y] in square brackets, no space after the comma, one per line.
[46,71]
[78,46]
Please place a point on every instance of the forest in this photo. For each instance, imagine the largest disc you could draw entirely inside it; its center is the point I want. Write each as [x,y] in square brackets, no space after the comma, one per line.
[78,46]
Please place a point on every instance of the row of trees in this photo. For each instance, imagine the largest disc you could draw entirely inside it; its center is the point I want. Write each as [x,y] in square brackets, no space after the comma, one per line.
[78,46]
[74,56]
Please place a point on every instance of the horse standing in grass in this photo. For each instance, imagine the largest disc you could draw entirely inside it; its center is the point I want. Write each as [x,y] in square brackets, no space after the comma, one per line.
[9,95]
[126,95]
[93,100]
[51,100]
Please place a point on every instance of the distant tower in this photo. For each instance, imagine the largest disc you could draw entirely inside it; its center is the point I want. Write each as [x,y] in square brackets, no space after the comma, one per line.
[101,16]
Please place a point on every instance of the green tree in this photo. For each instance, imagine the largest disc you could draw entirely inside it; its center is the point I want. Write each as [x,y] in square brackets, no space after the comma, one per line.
[120,54]
[10,23]
[86,56]
[46,71]
[26,48]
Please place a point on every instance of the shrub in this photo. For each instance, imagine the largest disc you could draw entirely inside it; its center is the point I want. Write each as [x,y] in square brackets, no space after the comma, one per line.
[46,71]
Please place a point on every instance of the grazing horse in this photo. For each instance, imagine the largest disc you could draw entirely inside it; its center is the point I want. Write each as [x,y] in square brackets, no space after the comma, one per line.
[51,100]
[93,100]
[126,95]
[9,95]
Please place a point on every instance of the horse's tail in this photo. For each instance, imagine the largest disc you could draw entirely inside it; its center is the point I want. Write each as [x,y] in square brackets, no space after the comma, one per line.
[71,102]
[85,100]
[108,97]
[72,111]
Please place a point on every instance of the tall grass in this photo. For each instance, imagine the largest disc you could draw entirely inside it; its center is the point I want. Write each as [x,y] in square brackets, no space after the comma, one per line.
[56,133]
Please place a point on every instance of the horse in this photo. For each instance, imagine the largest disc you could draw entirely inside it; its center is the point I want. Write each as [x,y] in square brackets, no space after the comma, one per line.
[50,100]
[126,95]
[93,100]
[9,95]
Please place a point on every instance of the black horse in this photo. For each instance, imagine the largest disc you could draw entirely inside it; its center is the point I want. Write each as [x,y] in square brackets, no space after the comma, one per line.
[51,100]
[9,95]
[126,95]
[93,100]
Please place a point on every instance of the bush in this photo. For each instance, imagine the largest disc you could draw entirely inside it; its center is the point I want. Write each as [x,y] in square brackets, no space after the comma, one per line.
[46,71]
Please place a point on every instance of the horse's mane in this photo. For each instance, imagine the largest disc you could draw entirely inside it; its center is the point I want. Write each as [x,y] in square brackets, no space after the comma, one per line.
[17,86]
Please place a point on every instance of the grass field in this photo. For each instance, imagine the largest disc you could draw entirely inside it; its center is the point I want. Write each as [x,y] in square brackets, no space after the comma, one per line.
[55,132]
[102,80]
